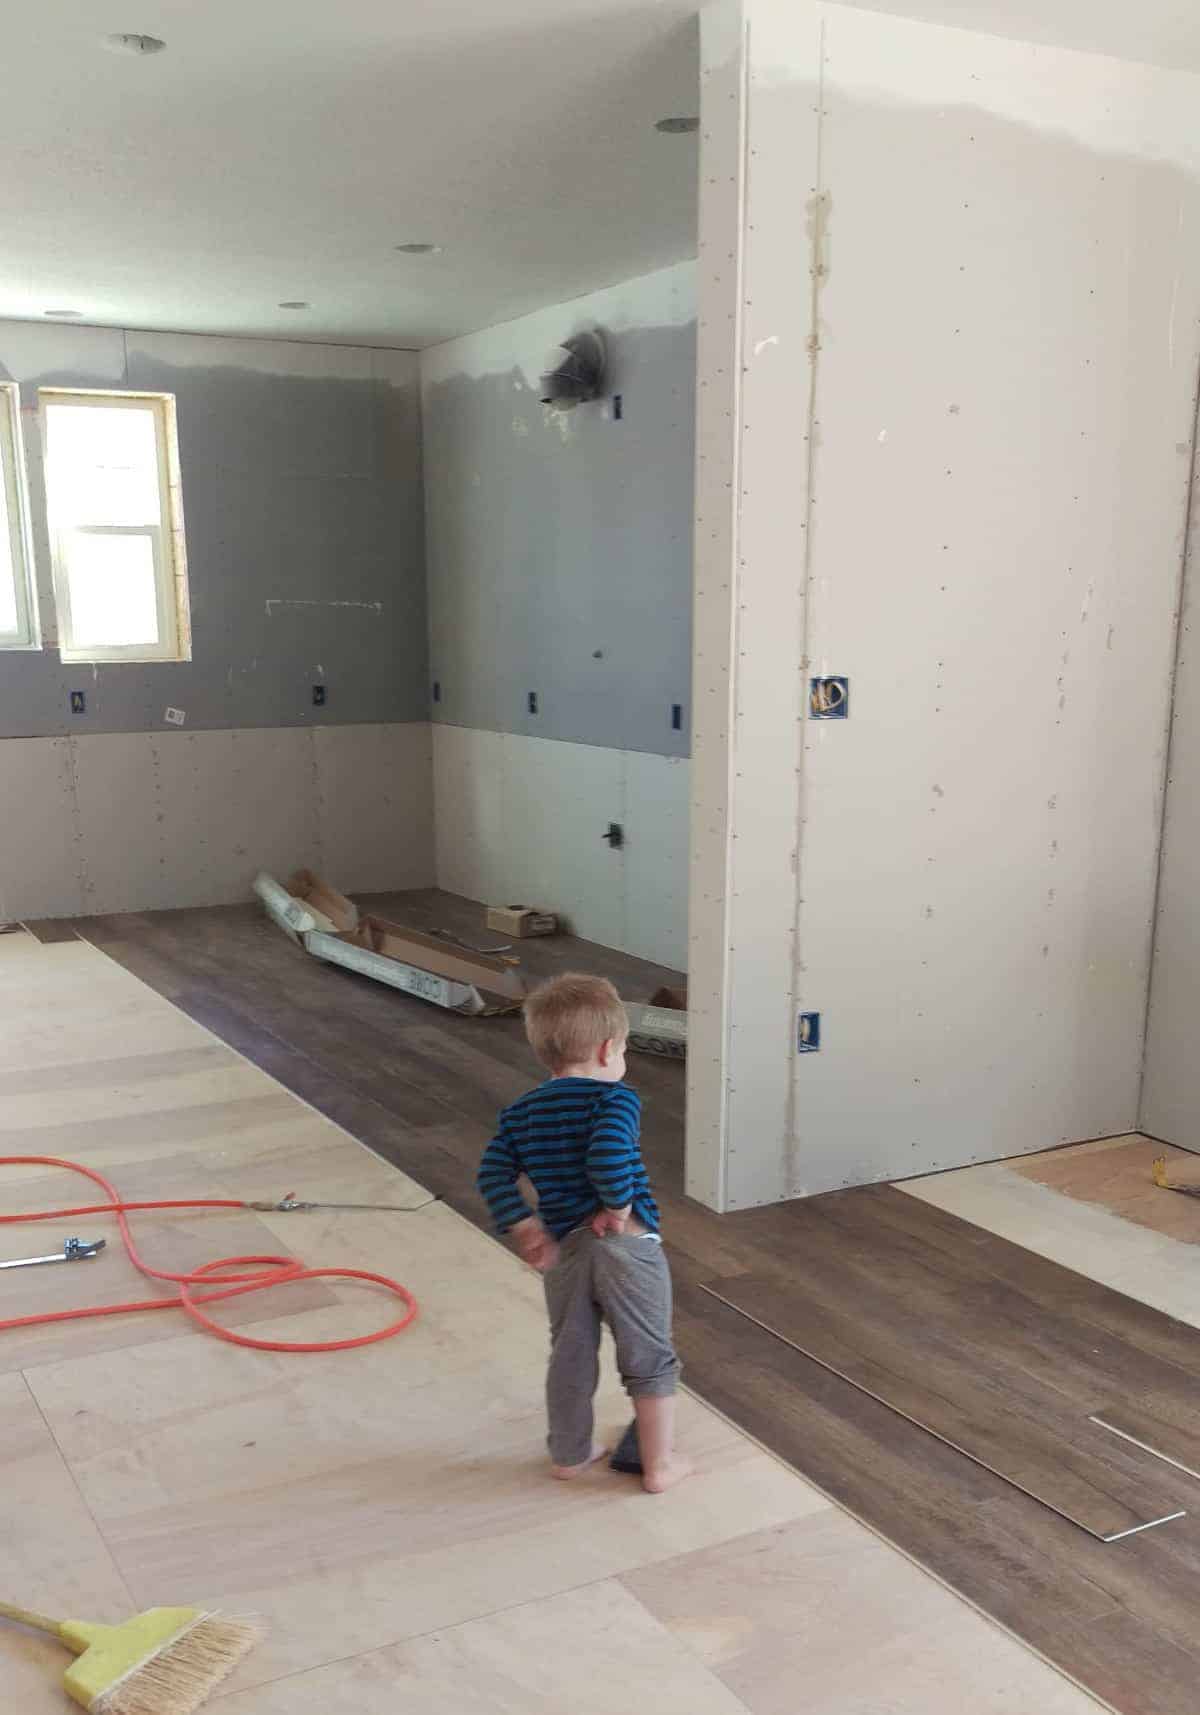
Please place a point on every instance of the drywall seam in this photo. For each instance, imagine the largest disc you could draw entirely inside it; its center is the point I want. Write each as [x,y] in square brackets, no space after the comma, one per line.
[819,216]
[1168,752]
[716,575]
[737,583]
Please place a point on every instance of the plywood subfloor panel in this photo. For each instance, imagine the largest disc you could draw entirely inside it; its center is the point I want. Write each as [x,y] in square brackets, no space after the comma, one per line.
[1118,1177]
[387,1510]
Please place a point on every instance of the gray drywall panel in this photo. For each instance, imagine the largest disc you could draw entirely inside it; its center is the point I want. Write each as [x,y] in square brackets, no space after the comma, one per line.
[559,545]
[301,473]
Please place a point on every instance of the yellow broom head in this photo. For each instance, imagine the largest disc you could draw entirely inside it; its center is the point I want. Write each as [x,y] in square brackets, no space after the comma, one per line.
[167,1661]
[1158,1169]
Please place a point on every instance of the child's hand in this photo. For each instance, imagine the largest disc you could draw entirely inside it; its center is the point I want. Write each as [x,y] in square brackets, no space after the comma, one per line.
[534,1243]
[606,1221]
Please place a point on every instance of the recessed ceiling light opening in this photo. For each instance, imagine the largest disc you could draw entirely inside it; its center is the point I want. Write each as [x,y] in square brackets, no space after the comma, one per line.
[295,304]
[419,249]
[677,126]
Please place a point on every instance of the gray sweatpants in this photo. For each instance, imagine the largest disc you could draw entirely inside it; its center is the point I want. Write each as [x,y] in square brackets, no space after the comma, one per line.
[623,1280]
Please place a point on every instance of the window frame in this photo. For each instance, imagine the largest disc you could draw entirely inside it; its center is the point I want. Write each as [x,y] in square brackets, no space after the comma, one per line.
[13,475]
[166,537]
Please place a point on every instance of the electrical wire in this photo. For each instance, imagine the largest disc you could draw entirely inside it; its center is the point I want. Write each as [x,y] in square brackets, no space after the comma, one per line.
[263,1273]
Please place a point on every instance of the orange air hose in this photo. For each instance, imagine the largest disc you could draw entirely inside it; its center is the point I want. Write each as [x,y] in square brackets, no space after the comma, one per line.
[264,1271]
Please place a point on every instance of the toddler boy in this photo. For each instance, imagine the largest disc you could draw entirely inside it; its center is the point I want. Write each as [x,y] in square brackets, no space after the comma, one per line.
[594,1236]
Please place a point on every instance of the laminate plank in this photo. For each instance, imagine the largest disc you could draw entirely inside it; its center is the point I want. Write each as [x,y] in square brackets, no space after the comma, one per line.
[50,931]
[1074,1474]
[1165,1428]
[988,1256]
[1044,1333]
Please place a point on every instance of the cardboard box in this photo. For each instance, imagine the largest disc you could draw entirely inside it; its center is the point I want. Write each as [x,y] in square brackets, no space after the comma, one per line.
[660,1025]
[420,965]
[305,904]
[521,920]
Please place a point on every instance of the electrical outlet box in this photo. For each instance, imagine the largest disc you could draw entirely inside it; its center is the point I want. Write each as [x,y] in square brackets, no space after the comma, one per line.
[808,1033]
[829,698]
[318,696]
[78,703]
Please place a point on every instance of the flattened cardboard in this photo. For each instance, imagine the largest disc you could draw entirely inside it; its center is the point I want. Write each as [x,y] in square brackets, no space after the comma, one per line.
[331,908]
[521,920]
[420,965]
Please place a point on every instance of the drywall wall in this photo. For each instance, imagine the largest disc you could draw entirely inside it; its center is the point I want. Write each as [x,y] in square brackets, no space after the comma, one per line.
[302,504]
[966,492]
[1170,1097]
[522,819]
[559,545]
[146,821]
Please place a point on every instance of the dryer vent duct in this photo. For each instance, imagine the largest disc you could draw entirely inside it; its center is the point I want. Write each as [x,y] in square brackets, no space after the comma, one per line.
[574,372]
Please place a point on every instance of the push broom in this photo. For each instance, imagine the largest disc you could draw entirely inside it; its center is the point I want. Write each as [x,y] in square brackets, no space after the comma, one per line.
[167,1661]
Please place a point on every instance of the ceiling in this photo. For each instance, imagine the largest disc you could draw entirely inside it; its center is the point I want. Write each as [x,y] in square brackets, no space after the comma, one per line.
[282,149]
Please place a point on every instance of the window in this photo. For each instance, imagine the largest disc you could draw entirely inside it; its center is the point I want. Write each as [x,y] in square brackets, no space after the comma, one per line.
[18,624]
[116,526]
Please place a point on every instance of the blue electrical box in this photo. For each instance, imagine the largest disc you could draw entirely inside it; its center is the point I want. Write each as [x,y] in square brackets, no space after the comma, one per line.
[829,699]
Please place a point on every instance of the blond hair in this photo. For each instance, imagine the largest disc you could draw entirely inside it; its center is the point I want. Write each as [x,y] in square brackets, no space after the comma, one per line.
[568,1019]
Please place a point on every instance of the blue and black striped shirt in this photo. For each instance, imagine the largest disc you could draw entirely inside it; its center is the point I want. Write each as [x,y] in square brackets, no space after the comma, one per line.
[576,1140]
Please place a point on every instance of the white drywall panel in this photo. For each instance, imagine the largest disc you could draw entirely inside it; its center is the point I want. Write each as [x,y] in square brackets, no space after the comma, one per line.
[762,219]
[559,800]
[375,806]
[120,823]
[657,803]
[971,503]
[522,820]
[144,821]
[272,810]
[205,823]
[39,854]
[1000,486]
[1170,1098]
[715,598]
[468,792]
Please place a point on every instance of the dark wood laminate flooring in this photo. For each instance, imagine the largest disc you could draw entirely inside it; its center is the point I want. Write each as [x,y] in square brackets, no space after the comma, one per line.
[422,1087]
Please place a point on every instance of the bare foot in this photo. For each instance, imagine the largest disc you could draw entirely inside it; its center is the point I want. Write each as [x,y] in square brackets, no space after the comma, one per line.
[665,1476]
[564,1473]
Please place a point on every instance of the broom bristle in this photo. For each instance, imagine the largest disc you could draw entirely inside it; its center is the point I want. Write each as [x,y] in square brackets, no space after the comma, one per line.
[179,1678]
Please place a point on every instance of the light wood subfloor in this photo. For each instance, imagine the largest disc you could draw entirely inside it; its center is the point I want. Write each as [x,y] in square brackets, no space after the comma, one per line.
[386,1510]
